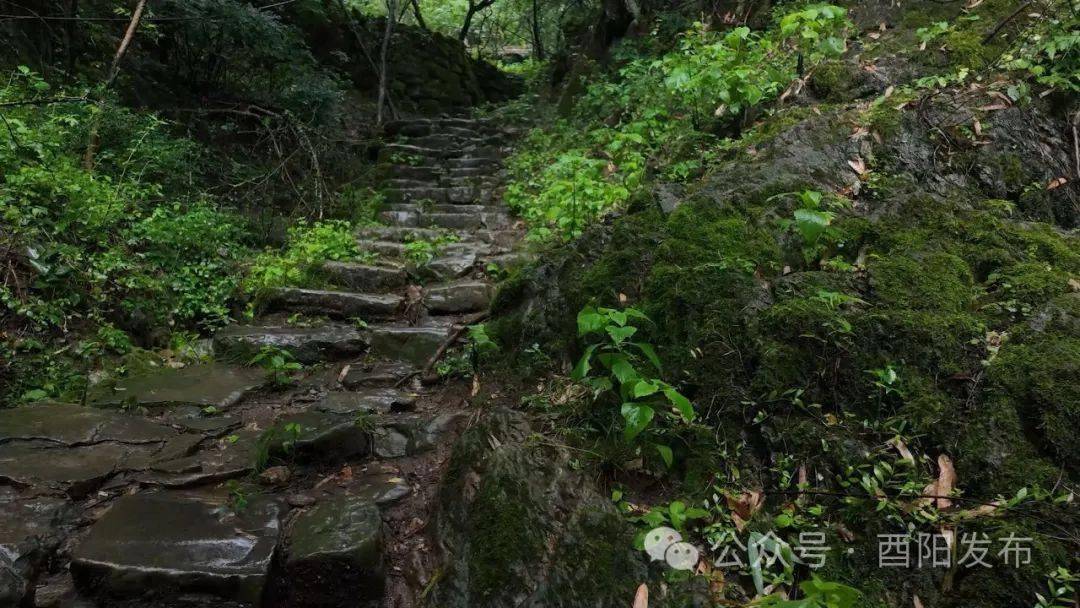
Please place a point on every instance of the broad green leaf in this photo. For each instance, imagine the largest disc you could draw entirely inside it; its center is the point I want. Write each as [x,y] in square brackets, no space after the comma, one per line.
[681,403]
[637,418]
[620,334]
[650,354]
[644,388]
[665,454]
[584,364]
[623,370]
[589,321]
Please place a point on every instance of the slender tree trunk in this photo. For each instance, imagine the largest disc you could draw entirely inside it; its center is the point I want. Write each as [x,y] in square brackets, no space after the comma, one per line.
[538,41]
[419,17]
[114,70]
[391,16]
[467,23]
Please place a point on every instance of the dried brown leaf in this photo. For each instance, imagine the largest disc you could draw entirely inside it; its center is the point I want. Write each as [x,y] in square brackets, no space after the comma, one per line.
[946,481]
[641,598]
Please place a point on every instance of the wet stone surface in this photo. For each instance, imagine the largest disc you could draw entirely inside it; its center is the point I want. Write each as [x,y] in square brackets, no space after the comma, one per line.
[308,345]
[335,554]
[30,530]
[366,401]
[209,384]
[167,544]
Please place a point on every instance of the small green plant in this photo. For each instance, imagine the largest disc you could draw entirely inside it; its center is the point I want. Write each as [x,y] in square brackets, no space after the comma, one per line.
[811,222]
[280,365]
[676,514]
[630,369]
[817,593]
[421,251]
[238,499]
[276,439]
[1062,590]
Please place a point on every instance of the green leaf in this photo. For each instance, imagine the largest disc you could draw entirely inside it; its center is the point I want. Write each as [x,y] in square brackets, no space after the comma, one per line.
[620,334]
[623,370]
[677,513]
[650,354]
[637,417]
[665,454]
[589,321]
[681,403]
[644,388]
[581,370]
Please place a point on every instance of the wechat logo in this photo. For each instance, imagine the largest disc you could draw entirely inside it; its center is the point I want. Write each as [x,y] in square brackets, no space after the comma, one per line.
[666,544]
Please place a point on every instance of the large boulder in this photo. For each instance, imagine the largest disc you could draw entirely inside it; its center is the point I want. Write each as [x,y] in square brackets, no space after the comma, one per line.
[518,527]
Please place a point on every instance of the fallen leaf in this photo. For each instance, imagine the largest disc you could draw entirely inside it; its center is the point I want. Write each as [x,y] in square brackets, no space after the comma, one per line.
[858,165]
[993,107]
[889,91]
[344,372]
[746,504]
[873,35]
[945,482]
[475,387]
[978,128]
[859,133]
[916,602]
[1057,183]
[740,523]
[1074,285]
[903,449]
[641,598]
[622,298]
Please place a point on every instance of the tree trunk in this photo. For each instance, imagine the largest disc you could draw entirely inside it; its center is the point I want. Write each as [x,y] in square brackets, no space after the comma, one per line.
[467,23]
[538,41]
[114,71]
[391,16]
[418,16]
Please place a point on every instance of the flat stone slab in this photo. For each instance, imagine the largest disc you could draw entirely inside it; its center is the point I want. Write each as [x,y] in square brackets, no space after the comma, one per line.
[335,554]
[449,266]
[30,531]
[308,345]
[168,544]
[337,304]
[365,277]
[77,471]
[414,345]
[70,425]
[365,401]
[411,435]
[226,458]
[385,374]
[327,437]
[460,297]
[216,384]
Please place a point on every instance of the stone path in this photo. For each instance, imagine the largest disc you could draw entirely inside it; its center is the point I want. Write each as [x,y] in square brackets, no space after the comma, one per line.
[199,487]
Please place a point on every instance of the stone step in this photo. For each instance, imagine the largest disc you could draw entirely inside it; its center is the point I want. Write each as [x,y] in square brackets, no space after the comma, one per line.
[442,208]
[335,554]
[453,221]
[308,345]
[422,173]
[413,345]
[479,181]
[453,141]
[160,547]
[449,266]
[364,277]
[379,375]
[459,297]
[484,163]
[363,398]
[395,153]
[202,385]
[337,304]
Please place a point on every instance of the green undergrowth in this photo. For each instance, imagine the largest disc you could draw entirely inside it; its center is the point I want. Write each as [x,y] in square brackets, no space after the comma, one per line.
[854,343]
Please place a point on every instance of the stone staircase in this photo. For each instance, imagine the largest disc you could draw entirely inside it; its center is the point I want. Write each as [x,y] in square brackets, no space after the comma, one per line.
[164,493]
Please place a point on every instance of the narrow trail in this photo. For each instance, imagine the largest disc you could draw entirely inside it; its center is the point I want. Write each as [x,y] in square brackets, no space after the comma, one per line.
[197,487]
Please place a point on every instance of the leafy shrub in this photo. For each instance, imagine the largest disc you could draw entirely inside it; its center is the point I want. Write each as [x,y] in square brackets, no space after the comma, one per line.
[309,246]
[631,370]
[656,114]
[125,248]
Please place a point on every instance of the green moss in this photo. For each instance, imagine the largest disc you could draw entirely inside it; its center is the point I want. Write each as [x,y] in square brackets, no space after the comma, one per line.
[937,282]
[1042,376]
[502,536]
